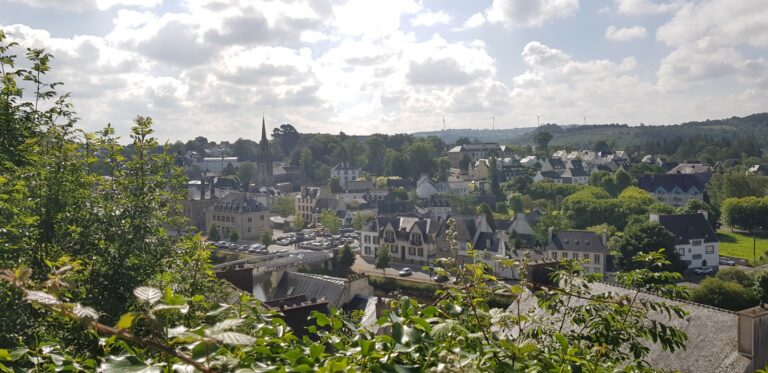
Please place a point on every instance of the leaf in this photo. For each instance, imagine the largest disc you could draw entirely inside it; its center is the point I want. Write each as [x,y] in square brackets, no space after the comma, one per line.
[227,324]
[177,331]
[5,355]
[163,307]
[85,312]
[41,297]
[126,321]
[148,294]
[234,338]
[127,364]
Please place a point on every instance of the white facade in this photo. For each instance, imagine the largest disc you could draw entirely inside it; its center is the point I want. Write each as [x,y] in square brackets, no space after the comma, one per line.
[217,164]
[345,173]
[677,197]
[699,253]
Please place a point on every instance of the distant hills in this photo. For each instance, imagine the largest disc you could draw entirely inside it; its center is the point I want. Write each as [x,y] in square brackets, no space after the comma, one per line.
[754,127]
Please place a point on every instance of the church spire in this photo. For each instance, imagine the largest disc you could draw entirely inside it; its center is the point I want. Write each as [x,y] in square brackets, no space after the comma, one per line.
[263,129]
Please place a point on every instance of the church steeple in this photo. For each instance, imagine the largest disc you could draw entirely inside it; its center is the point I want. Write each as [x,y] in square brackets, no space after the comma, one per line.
[263,130]
[264,158]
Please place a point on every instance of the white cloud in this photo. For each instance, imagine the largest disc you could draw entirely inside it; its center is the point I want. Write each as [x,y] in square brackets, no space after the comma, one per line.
[646,7]
[82,5]
[524,13]
[431,19]
[708,38]
[475,21]
[625,34]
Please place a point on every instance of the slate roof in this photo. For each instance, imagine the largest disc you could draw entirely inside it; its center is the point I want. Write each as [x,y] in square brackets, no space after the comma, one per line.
[690,168]
[668,182]
[360,185]
[312,286]
[344,166]
[686,227]
[238,202]
[574,172]
[580,241]
[712,333]
[556,163]
[550,174]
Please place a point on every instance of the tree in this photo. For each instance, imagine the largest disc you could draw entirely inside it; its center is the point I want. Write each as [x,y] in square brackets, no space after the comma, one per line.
[748,213]
[396,164]
[723,294]
[246,173]
[443,168]
[542,139]
[495,179]
[266,237]
[421,158]
[335,185]
[284,206]
[298,222]
[515,202]
[358,221]
[234,236]
[383,259]
[464,162]
[736,275]
[286,137]
[213,233]
[486,210]
[712,213]
[229,170]
[554,220]
[645,237]
[346,258]
[601,146]
[330,221]
[375,146]
[463,141]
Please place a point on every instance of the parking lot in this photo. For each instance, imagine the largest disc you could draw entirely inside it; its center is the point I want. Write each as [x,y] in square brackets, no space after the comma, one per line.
[307,240]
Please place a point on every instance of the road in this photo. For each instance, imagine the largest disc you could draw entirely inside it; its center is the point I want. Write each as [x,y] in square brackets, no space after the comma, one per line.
[363,266]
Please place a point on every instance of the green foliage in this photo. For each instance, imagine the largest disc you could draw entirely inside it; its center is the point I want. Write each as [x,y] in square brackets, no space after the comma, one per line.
[723,186]
[345,258]
[284,206]
[748,213]
[383,258]
[552,191]
[335,185]
[246,172]
[761,286]
[542,139]
[646,237]
[486,210]
[736,275]
[234,236]
[713,212]
[358,221]
[266,237]
[330,221]
[613,183]
[729,295]
[553,219]
[213,233]
[298,222]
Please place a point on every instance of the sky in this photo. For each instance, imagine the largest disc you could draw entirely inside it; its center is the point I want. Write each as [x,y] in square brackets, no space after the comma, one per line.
[213,67]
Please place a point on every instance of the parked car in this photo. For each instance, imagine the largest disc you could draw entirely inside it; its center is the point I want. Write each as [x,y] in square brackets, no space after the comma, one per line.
[406,272]
[703,270]
[727,262]
[440,278]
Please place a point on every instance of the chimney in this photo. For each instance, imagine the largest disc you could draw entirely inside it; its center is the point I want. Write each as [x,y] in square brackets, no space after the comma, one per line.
[202,188]
[654,217]
[753,335]
[213,188]
[705,213]
[604,237]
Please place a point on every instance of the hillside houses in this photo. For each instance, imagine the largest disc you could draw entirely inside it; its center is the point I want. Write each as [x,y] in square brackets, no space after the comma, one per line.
[675,189]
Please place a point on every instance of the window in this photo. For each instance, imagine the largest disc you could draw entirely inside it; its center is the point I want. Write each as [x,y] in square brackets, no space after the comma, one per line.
[696,256]
[375,240]
[393,250]
[250,229]
[389,236]
[597,259]
[411,251]
[710,249]
[565,255]
[585,256]
[261,217]
[421,251]
[367,239]
[696,242]
[250,219]
[681,251]
[367,250]
[416,239]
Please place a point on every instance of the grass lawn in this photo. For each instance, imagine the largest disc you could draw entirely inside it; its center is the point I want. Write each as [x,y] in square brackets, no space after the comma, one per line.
[739,245]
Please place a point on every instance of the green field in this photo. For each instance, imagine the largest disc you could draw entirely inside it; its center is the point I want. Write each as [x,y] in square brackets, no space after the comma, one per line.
[740,246]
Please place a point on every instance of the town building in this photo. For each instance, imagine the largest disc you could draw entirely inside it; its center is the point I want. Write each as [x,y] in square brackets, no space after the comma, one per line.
[238,212]
[312,201]
[554,176]
[408,239]
[346,173]
[474,233]
[675,189]
[575,176]
[475,152]
[264,167]
[695,241]
[581,245]
[216,165]
[690,168]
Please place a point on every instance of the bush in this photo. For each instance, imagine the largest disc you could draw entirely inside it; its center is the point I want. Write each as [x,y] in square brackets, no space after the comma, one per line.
[729,295]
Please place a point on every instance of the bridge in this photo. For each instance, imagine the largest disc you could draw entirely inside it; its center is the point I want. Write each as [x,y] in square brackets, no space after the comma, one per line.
[242,273]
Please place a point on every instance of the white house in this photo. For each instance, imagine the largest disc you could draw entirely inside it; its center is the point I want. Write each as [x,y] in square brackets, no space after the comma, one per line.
[582,245]
[345,172]
[695,241]
[675,189]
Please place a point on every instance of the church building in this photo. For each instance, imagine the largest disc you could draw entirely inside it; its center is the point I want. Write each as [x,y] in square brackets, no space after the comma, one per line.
[264,160]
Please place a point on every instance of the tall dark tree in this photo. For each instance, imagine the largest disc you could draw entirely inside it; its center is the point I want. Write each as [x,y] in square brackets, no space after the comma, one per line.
[644,238]
[542,139]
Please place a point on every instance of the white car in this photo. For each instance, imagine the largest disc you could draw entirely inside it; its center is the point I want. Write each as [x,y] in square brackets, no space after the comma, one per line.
[406,272]
[703,270]
[728,262]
